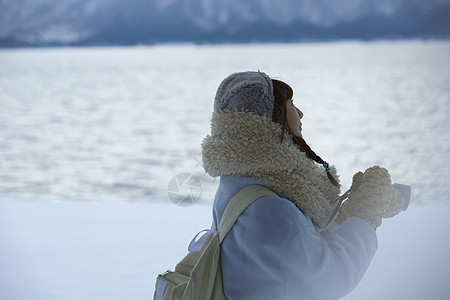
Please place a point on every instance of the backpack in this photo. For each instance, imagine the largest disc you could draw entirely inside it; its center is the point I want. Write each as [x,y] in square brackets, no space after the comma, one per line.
[198,275]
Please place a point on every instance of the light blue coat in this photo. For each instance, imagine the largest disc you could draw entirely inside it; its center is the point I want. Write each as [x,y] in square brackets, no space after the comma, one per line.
[274,252]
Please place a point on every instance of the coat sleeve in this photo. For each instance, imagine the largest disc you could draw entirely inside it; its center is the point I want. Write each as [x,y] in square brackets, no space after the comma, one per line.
[327,266]
[274,252]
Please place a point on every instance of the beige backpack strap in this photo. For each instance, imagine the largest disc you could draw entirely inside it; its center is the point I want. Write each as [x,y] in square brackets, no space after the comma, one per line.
[238,204]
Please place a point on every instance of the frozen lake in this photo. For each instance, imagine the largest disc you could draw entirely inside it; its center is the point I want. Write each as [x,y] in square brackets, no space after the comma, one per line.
[118,123]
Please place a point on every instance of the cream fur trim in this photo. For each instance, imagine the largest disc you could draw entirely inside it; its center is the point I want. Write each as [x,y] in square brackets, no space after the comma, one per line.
[246,144]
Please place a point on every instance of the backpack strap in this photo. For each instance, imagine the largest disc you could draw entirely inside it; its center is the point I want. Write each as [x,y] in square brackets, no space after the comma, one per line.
[238,204]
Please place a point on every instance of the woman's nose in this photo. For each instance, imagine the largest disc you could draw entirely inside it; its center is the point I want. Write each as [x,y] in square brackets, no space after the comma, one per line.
[300,113]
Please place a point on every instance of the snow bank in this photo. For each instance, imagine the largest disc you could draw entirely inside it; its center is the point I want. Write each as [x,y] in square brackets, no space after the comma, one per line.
[89,250]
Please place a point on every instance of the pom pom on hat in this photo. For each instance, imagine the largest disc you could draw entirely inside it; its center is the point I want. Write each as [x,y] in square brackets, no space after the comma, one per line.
[246,91]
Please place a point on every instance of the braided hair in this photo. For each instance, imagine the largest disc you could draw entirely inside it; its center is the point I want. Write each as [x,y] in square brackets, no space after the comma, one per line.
[282,93]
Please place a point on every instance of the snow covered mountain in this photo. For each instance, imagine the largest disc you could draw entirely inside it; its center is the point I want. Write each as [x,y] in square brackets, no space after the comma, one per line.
[105,22]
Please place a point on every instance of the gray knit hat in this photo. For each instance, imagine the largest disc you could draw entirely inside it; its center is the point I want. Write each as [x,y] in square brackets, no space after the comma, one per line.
[246,91]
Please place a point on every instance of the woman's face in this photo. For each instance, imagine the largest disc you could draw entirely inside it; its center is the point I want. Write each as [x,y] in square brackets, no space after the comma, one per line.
[294,115]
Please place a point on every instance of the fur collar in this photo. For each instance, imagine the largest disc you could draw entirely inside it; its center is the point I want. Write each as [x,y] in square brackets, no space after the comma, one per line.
[246,144]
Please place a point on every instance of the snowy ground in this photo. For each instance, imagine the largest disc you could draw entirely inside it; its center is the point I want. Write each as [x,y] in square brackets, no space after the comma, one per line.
[88,250]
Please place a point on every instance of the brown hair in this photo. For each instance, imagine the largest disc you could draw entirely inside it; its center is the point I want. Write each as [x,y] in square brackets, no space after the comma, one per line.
[282,93]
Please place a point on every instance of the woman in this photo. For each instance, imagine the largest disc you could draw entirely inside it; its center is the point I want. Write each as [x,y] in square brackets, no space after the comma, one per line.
[276,249]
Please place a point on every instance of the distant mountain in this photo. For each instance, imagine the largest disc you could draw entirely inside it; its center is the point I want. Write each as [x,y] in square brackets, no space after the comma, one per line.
[116,22]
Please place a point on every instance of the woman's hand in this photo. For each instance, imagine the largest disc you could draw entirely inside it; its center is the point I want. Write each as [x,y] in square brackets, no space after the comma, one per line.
[373,198]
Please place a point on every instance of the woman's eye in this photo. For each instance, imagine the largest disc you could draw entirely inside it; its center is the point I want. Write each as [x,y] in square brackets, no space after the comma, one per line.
[292,102]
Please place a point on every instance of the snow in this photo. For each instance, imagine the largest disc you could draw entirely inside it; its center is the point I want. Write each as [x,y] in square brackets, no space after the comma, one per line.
[69,116]
[114,250]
